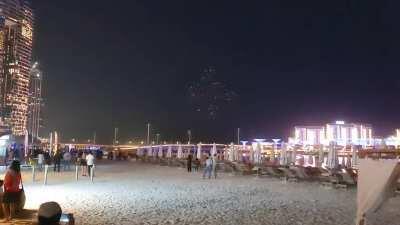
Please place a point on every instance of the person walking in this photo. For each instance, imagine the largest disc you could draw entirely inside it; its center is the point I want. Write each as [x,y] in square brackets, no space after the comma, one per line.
[12,190]
[67,161]
[214,165]
[90,162]
[189,163]
[57,161]
[208,168]
[40,160]
[196,165]
[83,164]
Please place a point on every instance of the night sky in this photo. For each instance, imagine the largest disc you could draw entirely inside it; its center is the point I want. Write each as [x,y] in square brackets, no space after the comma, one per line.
[125,63]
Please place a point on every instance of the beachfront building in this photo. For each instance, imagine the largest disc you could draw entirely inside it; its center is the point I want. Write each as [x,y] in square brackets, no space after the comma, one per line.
[341,133]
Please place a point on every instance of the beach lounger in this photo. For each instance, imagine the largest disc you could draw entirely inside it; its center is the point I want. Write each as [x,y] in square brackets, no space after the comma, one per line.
[289,175]
[300,173]
[272,171]
[242,169]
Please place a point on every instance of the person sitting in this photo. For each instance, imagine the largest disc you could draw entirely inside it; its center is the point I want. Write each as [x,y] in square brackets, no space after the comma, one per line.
[12,190]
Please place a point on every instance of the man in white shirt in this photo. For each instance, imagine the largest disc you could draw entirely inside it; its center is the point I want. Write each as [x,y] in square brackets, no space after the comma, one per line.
[90,162]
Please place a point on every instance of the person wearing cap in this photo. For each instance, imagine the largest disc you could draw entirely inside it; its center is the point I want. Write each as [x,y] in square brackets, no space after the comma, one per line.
[12,190]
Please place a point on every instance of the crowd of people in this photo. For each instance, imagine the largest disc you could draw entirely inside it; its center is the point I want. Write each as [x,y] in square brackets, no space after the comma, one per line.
[63,159]
[210,165]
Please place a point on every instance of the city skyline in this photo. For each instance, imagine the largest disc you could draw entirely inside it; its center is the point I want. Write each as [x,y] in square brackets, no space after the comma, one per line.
[130,64]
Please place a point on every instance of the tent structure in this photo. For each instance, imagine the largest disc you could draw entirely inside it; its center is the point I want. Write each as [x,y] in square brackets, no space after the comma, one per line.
[180,152]
[377,181]
[199,151]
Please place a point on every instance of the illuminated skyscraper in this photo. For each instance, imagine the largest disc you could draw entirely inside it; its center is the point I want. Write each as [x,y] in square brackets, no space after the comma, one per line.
[16,35]
[35,101]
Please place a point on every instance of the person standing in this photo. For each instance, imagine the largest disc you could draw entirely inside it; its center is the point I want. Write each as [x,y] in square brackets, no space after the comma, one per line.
[214,165]
[208,168]
[189,163]
[12,190]
[67,161]
[83,164]
[40,160]
[57,161]
[90,162]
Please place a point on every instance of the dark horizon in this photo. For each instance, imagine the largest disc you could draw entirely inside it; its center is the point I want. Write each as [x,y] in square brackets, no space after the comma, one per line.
[289,63]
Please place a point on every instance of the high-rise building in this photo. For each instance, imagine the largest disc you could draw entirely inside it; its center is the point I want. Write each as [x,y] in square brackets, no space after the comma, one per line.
[16,37]
[35,101]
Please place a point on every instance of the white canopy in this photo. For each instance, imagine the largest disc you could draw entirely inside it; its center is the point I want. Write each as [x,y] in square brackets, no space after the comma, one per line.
[214,149]
[294,155]
[257,154]
[376,183]
[169,153]
[199,151]
[332,156]
[283,156]
[232,152]
[354,156]
[251,156]
[180,152]
[160,151]
[321,156]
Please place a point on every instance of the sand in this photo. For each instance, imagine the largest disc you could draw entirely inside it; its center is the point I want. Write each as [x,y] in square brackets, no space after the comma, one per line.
[136,193]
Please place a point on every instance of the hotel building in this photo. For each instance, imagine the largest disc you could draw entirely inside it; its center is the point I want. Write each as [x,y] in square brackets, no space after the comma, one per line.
[16,37]
[341,133]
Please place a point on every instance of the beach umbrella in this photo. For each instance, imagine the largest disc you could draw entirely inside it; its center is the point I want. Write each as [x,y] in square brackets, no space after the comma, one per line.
[160,152]
[251,154]
[332,156]
[343,164]
[283,157]
[51,143]
[348,161]
[180,152]
[294,155]
[199,150]
[169,152]
[26,143]
[55,141]
[321,156]
[354,156]
[257,154]
[214,149]
[310,160]
[232,152]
